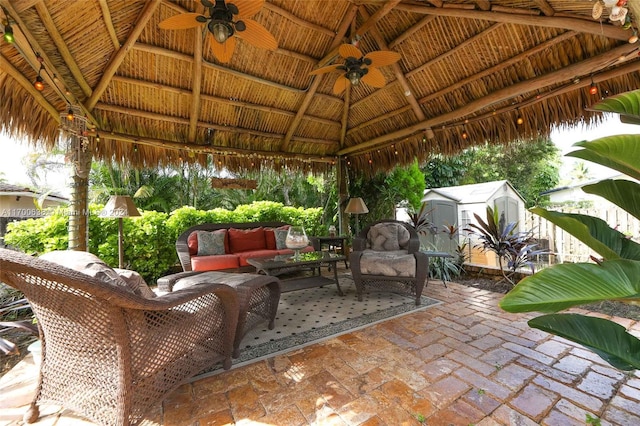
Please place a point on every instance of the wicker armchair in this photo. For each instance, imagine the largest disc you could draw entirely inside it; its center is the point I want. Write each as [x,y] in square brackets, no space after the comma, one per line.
[386,256]
[109,354]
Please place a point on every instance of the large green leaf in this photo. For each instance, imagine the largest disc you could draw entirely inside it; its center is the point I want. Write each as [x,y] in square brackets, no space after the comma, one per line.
[619,152]
[625,104]
[595,233]
[623,193]
[606,338]
[570,284]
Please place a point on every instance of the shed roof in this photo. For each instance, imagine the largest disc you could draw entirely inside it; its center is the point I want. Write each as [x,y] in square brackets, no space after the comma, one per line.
[9,189]
[157,96]
[473,193]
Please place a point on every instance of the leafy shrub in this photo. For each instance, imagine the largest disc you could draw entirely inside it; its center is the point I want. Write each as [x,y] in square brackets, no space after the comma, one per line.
[149,240]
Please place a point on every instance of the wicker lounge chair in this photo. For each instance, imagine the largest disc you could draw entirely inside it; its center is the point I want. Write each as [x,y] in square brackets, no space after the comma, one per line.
[386,256]
[110,354]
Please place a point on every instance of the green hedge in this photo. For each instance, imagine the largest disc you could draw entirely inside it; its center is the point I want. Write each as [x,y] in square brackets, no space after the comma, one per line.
[149,241]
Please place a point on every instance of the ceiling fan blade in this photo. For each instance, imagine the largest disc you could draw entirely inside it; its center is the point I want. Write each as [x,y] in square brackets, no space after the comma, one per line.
[224,51]
[381,58]
[340,85]
[374,78]
[349,50]
[180,22]
[324,70]
[247,8]
[257,35]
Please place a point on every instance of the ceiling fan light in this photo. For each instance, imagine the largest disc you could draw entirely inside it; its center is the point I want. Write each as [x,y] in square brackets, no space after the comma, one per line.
[221,32]
[354,77]
[8,34]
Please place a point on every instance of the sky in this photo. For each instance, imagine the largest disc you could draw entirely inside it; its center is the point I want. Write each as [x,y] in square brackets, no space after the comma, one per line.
[13,154]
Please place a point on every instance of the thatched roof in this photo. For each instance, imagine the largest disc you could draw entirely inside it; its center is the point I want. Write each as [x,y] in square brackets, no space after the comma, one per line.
[158,96]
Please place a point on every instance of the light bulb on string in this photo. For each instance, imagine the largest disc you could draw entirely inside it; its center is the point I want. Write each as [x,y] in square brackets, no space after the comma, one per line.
[8,34]
[464,135]
[70,114]
[519,119]
[593,89]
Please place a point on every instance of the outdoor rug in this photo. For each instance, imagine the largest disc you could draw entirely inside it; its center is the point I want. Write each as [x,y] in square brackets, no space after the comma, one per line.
[315,314]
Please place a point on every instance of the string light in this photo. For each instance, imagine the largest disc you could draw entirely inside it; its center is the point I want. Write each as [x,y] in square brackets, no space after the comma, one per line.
[8,31]
[39,83]
[593,89]
[70,114]
[464,135]
[519,120]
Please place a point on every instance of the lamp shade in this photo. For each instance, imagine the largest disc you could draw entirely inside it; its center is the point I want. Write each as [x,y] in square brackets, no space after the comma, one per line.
[119,206]
[356,205]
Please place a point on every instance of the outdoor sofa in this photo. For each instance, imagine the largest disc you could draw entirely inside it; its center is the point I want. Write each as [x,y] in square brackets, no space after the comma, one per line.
[227,246]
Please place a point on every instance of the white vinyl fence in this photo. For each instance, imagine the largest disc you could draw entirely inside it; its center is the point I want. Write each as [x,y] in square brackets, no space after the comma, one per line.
[564,246]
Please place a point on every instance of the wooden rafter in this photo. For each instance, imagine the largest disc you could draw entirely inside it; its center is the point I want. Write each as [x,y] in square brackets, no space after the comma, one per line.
[62,48]
[545,7]
[185,122]
[411,31]
[345,116]
[301,22]
[196,88]
[483,4]
[575,24]
[567,73]
[106,16]
[406,87]
[205,149]
[337,40]
[117,59]
[211,98]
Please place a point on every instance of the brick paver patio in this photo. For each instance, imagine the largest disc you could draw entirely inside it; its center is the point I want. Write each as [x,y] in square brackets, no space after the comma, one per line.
[464,362]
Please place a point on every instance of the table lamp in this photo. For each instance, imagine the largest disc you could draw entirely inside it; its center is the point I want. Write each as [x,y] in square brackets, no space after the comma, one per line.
[120,206]
[356,206]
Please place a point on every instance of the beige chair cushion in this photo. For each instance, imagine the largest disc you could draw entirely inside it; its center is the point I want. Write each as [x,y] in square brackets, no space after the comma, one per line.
[388,237]
[388,263]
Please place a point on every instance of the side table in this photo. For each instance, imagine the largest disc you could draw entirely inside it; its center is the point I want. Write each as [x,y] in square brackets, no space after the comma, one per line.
[336,244]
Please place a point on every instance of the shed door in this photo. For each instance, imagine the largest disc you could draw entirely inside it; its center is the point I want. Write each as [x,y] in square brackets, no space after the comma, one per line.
[442,213]
[509,207]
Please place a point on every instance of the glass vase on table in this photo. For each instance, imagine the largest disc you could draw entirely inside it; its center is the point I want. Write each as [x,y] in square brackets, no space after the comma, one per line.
[296,240]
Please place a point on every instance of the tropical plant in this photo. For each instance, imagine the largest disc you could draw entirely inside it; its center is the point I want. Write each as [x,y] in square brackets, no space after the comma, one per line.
[514,248]
[616,276]
[15,313]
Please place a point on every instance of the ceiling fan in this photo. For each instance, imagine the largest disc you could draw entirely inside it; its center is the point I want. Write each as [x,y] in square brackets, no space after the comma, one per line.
[358,68]
[226,21]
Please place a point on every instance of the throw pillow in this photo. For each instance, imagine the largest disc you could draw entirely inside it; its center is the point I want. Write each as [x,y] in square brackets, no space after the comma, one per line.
[89,264]
[246,239]
[135,280]
[270,238]
[211,243]
[384,237]
[281,236]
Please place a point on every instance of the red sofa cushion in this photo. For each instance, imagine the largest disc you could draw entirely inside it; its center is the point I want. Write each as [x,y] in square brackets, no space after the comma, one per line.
[214,263]
[242,257]
[270,236]
[241,240]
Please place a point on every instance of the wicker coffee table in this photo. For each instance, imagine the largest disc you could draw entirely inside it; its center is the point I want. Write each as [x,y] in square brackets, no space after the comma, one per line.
[311,261]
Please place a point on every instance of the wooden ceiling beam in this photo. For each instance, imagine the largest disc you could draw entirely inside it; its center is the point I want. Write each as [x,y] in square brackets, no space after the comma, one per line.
[208,149]
[502,65]
[8,68]
[106,17]
[456,49]
[545,7]
[345,117]
[377,16]
[185,121]
[216,99]
[406,87]
[411,31]
[580,25]
[337,40]
[66,55]
[196,78]
[116,60]
[483,4]
[301,22]
[569,72]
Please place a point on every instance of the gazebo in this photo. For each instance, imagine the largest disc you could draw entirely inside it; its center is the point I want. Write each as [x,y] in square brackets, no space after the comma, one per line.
[361,85]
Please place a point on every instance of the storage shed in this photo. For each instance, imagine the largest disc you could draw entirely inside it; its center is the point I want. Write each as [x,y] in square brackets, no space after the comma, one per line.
[456,205]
